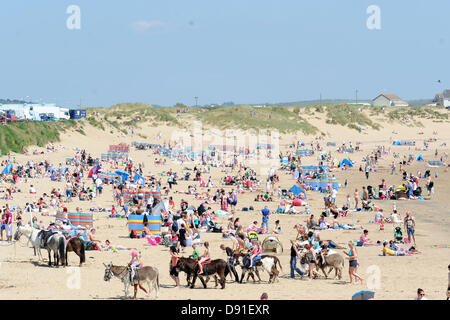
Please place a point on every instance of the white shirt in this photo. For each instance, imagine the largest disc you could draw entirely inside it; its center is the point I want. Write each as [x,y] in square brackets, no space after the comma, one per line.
[180,222]
[334,193]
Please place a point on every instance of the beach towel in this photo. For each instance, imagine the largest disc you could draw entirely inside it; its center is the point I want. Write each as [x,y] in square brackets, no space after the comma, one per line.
[221,213]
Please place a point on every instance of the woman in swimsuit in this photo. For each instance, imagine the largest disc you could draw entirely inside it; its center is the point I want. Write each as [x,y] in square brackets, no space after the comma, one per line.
[109,246]
[353,263]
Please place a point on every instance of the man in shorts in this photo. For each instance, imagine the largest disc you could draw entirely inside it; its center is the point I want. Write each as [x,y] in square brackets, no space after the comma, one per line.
[410,226]
[265,219]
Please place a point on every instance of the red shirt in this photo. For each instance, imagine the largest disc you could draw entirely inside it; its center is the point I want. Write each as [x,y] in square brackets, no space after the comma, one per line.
[8,217]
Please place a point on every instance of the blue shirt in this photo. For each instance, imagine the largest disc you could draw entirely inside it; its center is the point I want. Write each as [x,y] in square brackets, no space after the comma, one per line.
[265,213]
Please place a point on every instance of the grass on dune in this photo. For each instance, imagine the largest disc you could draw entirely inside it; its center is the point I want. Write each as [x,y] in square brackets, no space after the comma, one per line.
[247,117]
[128,114]
[349,116]
[14,136]
[423,112]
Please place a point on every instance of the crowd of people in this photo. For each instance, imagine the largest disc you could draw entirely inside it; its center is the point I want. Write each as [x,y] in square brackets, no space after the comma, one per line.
[182,224]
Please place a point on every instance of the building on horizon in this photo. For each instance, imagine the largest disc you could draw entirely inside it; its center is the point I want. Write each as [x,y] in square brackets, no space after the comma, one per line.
[445,98]
[389,100]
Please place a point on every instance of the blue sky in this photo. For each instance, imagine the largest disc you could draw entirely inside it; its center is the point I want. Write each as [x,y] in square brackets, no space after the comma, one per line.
[163,52]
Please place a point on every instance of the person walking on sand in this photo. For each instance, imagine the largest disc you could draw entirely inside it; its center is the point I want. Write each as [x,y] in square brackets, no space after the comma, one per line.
[230,260]
[265,219]
[312,261]
[293,263]
[356,197]
[367,169]
[353,263]
[410,226]
[173,263]
[9,224]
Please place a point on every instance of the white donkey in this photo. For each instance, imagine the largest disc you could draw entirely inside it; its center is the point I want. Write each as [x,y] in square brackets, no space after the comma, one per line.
[32,235]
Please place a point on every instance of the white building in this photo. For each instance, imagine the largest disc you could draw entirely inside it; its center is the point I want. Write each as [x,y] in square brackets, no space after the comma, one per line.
[389,100]
[445,98]
[37,111]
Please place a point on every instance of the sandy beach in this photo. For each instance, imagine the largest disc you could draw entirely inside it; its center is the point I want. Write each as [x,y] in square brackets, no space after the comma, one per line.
[22,277]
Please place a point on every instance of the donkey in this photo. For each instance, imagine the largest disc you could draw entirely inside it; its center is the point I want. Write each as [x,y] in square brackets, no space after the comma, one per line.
[333,261]
[56,243]
[41,240]
[267,263]
[76,245]
[241,259]
[32,235]
[147,274]
[190,266]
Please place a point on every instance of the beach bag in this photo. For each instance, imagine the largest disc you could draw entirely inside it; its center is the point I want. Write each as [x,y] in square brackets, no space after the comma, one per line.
[252,235]
[133,234]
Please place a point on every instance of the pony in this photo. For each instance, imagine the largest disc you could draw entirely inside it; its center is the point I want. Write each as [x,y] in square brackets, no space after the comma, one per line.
[148,274]
[76,245]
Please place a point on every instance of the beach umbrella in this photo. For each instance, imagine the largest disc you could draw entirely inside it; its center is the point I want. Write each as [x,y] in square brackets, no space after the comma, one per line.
[123,174]
[93,171]
[7,169]
[363,295]
[139,179]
